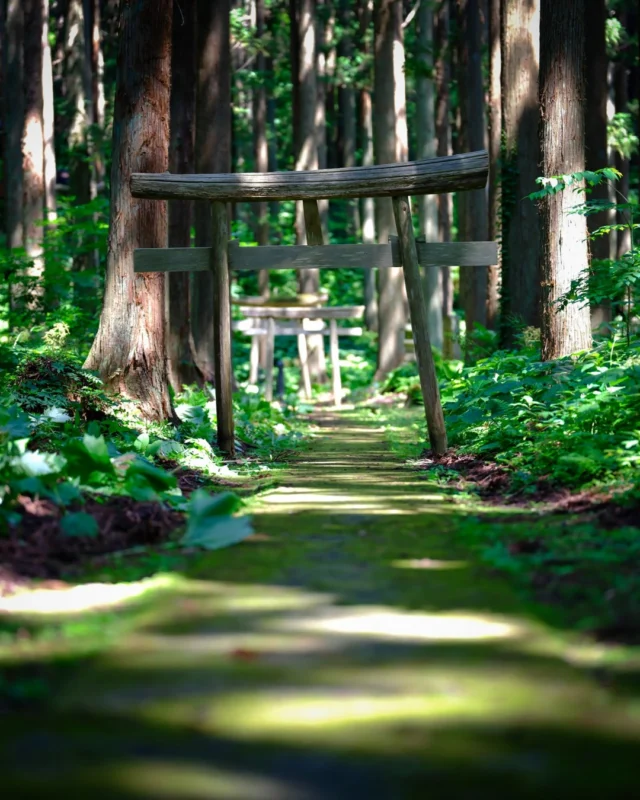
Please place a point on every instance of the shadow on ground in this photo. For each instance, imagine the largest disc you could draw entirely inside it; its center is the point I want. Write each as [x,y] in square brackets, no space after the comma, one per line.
[352,650]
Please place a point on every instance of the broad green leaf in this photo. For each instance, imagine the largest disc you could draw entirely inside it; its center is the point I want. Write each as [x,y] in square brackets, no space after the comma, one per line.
[14,423]
[204,504]
[88,456]
[159,479]
[79,523]
[214,533]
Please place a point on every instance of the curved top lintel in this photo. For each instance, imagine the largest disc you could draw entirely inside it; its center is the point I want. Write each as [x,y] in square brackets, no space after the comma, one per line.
[429,176]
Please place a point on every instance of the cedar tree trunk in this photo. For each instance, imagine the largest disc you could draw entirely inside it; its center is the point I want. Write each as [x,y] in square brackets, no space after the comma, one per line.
[564,235]
[129,349]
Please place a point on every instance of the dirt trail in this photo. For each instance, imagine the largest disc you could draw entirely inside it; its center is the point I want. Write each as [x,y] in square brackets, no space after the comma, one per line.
[352,651]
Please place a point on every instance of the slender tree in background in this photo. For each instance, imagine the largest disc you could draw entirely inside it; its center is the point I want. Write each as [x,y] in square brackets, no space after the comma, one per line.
[621,106]
[48,121]
[442,76]
[260,142]
[182,368]
[495,134]
[33,134]
[213,154]
[347,109]
[76,87]
[520,167]
[564,234]
[368,205]
[473,209]
[13,121]
[129,349]
[596,148]
[427,148]
[306,152]
[390,143]
[93,77]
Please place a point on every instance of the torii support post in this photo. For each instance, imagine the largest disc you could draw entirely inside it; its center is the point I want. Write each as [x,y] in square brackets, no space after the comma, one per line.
[418,309]
[219,265]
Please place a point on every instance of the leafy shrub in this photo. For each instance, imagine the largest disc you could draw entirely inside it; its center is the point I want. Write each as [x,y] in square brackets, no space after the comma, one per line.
[575,420]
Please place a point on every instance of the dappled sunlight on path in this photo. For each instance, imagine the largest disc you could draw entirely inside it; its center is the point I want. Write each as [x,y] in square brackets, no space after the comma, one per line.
[354,649]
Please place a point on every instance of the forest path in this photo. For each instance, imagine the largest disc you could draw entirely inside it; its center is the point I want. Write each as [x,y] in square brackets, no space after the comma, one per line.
[353,650]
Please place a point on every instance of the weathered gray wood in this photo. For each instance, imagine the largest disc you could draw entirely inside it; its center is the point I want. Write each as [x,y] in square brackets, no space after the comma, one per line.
[292,330]
[222,329]
[335,363]
[334,256]
[303,353]
[328,312]
[429,176]
[313,223]
[418,310]
[269,359]
[254,357]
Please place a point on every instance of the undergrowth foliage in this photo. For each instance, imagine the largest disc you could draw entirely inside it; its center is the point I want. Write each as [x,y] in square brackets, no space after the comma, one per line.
[64,441]
[575,420]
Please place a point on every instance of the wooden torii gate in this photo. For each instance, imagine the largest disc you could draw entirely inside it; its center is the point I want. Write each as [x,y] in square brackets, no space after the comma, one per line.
[397,181]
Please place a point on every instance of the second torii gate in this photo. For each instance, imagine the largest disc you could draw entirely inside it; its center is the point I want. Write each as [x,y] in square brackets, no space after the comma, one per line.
[397,181]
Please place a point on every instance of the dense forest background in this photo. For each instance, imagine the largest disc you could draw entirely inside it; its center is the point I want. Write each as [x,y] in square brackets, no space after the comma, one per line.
[263,85]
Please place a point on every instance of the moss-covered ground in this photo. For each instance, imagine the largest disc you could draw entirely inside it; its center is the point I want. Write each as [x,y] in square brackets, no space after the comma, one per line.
[354,648]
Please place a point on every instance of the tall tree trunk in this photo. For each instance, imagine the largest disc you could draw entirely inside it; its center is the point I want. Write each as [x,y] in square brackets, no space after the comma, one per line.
[48,120]
[182,368]
[129,349]
[495,179]
[368,206]
[347,106]
[307,155]
[520,159]
[260,144]
[324,40]
[213,155]
[621,100]
[596,151]
[94,85]
[368,212]
[442,74]
[427,148]
[564,235]
[33,147]
[390,143]
[14,122]
[77,88]
[473,208]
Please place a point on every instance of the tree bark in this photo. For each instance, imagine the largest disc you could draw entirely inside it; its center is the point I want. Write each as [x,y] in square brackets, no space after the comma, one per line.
[495,130]
[520,159]
[182,367]
[390,143]
[368,205]
[427,148]
[48,120]
[33,134]
[260,144]
[129,349]
[368,212]
[347,108]
[307,155]
[442,74]
[14,122]
[213,155]
[564,235]
[596,151]
[473,208]
[621,100]
[94,85]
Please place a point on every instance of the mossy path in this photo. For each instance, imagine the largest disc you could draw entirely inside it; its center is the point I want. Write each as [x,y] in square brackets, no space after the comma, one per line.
[352,650]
